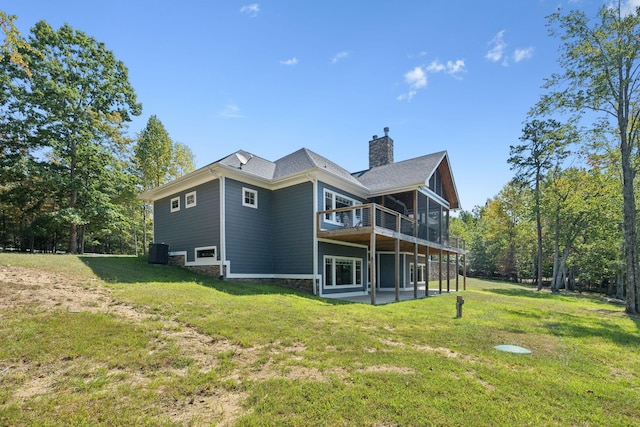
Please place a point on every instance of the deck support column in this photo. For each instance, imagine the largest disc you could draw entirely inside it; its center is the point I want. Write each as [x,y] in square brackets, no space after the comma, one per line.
[372,265]
[397,270]
[415,271]
[457,275]
[428,272]
[464,265]
[440,271]
[448,271]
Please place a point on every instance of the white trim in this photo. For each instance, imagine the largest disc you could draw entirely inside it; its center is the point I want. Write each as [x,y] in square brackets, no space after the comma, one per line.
[317,285]
[354,261]
[346,294]
[197,262]
[173,199]
[204,248]
[188,205]
[335,194]
[223,228]
[253,205]
[338,242]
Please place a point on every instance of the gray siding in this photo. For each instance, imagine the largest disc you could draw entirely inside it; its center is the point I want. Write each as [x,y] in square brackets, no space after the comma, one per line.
[187,229]
[249,235]
[292,225]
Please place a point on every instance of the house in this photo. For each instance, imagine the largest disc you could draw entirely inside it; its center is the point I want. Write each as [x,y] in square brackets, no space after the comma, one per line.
[306,221]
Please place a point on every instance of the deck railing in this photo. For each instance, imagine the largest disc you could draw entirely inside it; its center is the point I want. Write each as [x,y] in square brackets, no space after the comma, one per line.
[354,217]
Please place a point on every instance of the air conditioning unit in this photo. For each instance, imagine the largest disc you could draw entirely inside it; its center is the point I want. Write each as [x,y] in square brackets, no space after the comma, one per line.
[158,253]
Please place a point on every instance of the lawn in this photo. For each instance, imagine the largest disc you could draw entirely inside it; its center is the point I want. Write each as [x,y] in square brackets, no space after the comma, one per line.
[116,341]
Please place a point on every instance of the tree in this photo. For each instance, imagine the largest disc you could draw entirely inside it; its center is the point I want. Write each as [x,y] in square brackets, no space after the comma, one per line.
[601,73]
[14,43]
[76,101]
[544,149]
[158,160]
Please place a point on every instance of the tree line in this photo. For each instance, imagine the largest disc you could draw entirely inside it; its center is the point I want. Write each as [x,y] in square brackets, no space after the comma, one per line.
[568,218]
[69,171]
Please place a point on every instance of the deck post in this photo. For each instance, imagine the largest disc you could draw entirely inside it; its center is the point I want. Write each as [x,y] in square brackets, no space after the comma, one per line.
[428,272]
[448,271]
[457,275]
[464,265]
[440,271]
[415,271]
[372,264]
[397,270]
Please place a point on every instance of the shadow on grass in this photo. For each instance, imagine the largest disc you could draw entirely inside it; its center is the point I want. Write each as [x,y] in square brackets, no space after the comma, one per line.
[576,326]
[132,270]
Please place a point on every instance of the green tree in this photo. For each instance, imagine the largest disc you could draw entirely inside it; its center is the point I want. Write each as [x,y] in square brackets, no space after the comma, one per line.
[543,149]
[14,43]
[77,99]
[158,160]
[600,61]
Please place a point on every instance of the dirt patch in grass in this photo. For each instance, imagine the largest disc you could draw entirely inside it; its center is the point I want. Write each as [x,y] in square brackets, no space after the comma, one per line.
[43,291]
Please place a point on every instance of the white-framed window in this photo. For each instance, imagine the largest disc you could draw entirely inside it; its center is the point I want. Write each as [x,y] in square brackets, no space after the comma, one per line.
[190,200]
[175,204]
[206,252]
[420,271]
[249,198]
[342,271]
[333,200]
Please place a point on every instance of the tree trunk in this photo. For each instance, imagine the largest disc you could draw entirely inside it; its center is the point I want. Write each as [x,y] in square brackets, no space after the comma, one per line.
[630,230]
[144,229]
[539,229]
[73,201]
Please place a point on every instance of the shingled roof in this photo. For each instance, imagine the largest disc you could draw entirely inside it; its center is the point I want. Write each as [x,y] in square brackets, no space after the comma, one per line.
[410,174]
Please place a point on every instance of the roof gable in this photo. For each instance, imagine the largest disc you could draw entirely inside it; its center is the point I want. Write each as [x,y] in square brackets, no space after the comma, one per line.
[410,174]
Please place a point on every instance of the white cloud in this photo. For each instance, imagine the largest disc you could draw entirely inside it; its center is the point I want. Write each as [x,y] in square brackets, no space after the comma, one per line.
[522,54]
[292,61]
[455,68]
[436,67]
[498,47]
[628,7]
[451,67]
[416,78]
[407,96]
[340,55]
[231,111]
[250,9]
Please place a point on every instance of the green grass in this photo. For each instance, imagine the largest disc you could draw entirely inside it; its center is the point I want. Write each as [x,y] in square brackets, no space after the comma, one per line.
[206,352]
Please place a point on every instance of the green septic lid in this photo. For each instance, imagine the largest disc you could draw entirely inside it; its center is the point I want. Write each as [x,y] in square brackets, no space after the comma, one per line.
[513,349]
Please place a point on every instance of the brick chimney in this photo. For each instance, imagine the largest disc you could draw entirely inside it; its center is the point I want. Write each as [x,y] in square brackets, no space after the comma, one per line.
[381,150]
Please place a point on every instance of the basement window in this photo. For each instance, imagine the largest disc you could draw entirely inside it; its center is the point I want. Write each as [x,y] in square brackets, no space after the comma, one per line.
[207,252]
[342,271]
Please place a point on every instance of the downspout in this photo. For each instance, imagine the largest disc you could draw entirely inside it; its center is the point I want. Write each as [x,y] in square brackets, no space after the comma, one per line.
[317,288]
[223,234]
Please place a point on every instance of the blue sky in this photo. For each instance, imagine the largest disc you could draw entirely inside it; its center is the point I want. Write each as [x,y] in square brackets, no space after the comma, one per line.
[274,76]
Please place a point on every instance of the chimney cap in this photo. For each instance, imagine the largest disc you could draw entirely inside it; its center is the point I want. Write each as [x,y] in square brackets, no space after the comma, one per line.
[386,131]
[375,137]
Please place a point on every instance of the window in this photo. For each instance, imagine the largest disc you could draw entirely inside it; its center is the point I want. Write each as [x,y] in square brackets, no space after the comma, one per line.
[206,252]
[336,201]
[342,271]
[175,204]
[250,198]
[420,273]
[190,200]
